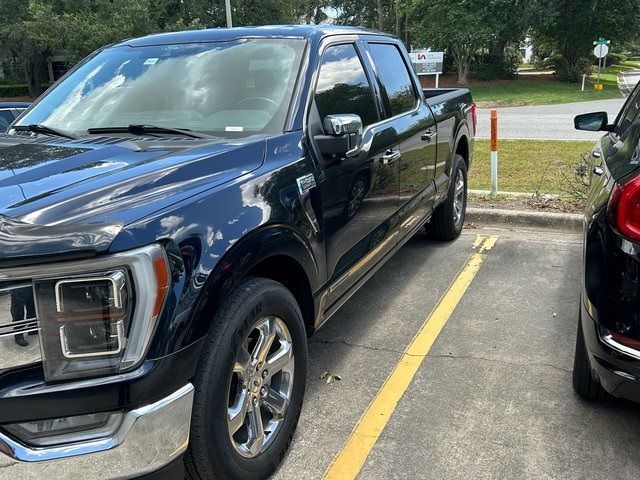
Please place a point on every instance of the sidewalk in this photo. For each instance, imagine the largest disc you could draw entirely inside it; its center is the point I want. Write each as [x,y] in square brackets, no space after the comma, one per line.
[628,80]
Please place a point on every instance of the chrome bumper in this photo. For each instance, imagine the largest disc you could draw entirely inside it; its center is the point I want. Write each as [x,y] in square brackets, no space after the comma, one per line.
[149,438]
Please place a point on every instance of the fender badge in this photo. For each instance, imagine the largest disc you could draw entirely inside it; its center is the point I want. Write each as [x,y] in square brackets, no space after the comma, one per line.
[305,184]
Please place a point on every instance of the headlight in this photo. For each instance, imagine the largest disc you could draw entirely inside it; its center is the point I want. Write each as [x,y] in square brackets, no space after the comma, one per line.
[98,317]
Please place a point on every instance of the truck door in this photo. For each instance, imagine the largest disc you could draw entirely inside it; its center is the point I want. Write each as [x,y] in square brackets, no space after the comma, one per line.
[358,195]
[409,115]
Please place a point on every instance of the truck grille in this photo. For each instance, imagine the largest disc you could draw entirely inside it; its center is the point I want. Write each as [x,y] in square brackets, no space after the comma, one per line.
[19,340]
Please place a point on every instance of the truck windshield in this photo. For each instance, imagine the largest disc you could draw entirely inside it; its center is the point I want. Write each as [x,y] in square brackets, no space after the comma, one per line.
[228,89]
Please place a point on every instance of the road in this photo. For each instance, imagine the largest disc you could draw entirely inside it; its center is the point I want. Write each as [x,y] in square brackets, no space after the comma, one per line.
[545,122]
[491,399]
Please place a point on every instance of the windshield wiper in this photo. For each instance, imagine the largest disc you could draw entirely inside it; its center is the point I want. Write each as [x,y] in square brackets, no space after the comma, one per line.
[39,128]
[145,129]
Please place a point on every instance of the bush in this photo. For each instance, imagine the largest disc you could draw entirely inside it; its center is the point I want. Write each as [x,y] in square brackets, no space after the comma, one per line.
[614,59]
[573,73]
[449,67]
[14,91]
[553,62]
[494,67]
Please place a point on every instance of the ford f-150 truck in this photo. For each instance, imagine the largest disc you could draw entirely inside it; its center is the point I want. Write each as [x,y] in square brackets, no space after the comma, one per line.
[178,214]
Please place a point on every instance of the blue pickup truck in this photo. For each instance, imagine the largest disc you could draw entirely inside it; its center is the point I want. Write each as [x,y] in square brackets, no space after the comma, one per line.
[178,214]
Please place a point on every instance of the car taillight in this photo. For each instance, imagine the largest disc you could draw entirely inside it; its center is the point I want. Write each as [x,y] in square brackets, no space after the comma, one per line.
[474,118]
[624,208]
[626,341]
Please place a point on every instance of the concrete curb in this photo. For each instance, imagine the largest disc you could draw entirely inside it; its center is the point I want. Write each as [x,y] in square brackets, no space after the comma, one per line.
[570,222]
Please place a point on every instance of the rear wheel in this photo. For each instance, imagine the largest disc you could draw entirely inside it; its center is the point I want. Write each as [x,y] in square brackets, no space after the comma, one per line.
[584,383]
[249,385]
[448,219]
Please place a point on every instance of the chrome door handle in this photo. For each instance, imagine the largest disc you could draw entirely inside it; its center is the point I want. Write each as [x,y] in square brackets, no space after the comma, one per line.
[390,156]
[598,169]
[428,135]
[596,153]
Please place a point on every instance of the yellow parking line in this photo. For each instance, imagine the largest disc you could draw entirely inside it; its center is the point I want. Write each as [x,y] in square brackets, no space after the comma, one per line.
[355,451]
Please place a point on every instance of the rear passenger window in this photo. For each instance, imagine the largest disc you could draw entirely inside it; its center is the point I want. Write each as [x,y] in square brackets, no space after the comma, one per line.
[394,78]
[343,86]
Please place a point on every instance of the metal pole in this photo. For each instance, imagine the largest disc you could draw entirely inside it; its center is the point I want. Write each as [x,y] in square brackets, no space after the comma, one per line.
[599,65]
[437,80]
[227,7]
[494,152]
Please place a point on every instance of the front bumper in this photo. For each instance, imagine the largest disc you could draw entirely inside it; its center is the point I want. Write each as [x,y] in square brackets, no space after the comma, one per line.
[617,372]
[149,438]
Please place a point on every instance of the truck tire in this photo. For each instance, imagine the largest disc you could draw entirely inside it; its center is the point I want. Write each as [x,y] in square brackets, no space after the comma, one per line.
[448,219]
[584,383]
[249,384]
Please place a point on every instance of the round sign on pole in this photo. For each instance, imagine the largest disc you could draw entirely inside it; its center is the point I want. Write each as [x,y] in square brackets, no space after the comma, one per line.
[601,51]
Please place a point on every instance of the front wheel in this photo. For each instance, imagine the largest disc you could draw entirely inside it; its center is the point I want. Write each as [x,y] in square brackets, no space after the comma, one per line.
[448,219]
[249,385]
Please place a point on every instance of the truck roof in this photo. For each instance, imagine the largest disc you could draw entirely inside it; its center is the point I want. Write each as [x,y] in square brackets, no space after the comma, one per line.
[226,34]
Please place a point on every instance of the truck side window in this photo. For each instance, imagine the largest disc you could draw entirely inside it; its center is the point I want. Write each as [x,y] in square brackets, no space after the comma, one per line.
[395,81]
[343,86]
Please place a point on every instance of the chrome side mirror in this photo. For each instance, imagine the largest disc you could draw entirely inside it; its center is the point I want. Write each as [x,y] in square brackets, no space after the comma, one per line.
[345,132]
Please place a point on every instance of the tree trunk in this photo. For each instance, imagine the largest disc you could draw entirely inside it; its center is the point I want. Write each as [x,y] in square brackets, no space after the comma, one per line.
[406,32]
[311,9]
[398,19]
[463,71]
[380,15]
[36,67]
[463,55]
[498,48]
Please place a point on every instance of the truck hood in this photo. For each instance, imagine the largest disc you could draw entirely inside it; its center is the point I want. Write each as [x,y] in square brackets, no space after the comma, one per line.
[62,197]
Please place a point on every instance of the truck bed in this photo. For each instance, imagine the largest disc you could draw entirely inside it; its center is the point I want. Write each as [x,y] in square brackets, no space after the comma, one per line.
[434,96]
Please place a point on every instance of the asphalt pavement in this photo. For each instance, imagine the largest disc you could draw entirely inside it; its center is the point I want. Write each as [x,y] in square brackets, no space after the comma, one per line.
[492,398]
[545,122]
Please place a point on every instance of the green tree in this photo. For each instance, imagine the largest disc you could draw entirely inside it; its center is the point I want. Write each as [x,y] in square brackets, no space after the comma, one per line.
[570,26]
[31,31]
[386,15]
[461,27]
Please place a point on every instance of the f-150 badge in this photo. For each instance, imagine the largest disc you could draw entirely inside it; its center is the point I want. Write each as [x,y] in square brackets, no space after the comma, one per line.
[305,185]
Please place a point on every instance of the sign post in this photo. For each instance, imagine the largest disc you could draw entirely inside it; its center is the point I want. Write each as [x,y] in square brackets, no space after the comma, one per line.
[601,51]
[428,63]
[494,152]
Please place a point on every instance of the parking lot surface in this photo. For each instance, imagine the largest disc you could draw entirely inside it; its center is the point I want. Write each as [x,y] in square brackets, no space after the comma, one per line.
[491,399]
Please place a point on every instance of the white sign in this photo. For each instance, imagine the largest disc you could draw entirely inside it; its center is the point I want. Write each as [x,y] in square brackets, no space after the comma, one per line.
[601,51]
[427,63]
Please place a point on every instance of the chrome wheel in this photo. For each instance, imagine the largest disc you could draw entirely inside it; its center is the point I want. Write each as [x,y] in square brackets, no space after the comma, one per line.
[261,387]
[459,197]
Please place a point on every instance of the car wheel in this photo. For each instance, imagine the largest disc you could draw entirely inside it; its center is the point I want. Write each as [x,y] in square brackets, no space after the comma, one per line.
[584,382]
[448,219]
[249,384]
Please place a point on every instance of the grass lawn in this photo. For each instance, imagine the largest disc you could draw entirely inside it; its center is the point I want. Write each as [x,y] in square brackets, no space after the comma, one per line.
[609,76]
[539,89]
[528,165]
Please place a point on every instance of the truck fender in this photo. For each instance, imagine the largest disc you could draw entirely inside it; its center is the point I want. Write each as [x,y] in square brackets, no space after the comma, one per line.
[209,290]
